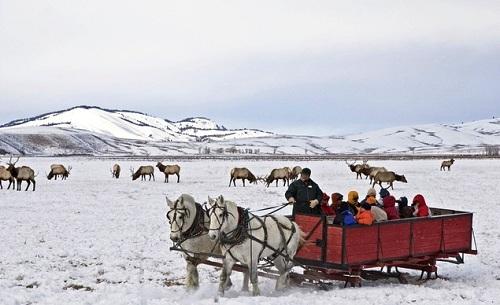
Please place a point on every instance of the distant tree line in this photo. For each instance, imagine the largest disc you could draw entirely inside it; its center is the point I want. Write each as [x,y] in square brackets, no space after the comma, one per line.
[492,150]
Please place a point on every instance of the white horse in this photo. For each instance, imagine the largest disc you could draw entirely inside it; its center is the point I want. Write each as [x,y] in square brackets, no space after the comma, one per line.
[247,238]
[189,224]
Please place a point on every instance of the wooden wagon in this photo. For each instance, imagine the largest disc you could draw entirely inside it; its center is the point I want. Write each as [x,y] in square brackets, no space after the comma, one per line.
[334,252]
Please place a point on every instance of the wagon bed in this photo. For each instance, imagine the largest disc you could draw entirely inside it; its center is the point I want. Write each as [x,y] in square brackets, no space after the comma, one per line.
[344,252]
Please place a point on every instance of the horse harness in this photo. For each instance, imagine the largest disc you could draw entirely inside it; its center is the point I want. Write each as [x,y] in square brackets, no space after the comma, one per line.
[242,232]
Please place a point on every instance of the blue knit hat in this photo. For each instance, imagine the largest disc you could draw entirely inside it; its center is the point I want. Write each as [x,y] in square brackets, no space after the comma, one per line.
[384,193]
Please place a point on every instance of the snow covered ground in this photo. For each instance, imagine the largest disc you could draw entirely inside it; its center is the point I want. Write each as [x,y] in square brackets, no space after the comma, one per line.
[110,237]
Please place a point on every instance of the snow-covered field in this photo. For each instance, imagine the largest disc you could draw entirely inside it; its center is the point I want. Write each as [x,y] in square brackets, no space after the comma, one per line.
[110,237]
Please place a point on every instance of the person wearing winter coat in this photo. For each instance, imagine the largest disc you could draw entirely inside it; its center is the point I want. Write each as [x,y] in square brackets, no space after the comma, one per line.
[336,200]
[404,210]
[390,207]
[325,207]
[365,216]
[304,194]
[371,193]
[352,199]
[383,193]
[378,213]
[420,208]
[344,215]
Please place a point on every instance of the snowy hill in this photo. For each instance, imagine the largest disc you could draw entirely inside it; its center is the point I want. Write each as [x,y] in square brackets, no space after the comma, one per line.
[97,131]
[126,124]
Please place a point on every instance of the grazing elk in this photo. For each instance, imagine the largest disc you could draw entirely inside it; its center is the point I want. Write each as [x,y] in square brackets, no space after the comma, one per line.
[447,164]
[115,171]
[58,170]
[142,172]
[295,172]
[373,171]
[356,168]
[170,170]
[388,177]
[5,175]
[278,174]
[23,173]
[241,173]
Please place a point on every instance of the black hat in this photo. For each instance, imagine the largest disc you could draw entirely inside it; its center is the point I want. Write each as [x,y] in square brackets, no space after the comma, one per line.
[402,202]
[306,171]
[384,193]
[366,206]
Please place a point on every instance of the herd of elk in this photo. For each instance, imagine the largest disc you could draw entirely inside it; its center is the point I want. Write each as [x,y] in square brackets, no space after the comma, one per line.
[447,164]
[115,171]
[58,170]
[142,172]
[241,173]
[170,170]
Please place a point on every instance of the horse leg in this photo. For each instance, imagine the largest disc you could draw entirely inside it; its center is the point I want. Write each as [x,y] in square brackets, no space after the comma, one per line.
[373,185]
[230,180]
[192,280]
[243,182]
[34,183]
[281,265]
[153,174]
[276,182]
[245,281]
[1,187]
[254,276]
[29,183]
[227,268]
[19,184]
[392,186]
[165,181]
[178,178]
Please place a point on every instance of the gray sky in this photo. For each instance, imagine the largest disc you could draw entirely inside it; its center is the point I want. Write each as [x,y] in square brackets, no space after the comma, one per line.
[310,67]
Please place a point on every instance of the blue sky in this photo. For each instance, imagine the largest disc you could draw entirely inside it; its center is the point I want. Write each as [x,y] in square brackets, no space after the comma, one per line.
[302,67]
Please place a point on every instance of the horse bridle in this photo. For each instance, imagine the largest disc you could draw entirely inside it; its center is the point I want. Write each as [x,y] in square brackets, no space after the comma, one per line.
[184,212]
[225,215]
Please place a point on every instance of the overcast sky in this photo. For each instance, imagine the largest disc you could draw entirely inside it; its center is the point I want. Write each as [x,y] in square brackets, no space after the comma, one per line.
[310,67]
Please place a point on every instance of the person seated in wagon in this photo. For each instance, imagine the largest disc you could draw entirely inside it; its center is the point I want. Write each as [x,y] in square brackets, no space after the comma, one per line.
[304,194]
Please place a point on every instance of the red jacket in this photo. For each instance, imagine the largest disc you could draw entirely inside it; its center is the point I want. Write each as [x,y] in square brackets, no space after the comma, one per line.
[390,207]
[420,207]
[327,209]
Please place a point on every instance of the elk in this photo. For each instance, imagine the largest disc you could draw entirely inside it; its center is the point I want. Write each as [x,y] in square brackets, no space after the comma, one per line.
[241,173]
[23,173]
[115,171]
[142,172]
[447,164]
[356,168]
[169,170]
[295,172]
[58,170]
[388,177]
[373,171]
[277,174]
[5,175]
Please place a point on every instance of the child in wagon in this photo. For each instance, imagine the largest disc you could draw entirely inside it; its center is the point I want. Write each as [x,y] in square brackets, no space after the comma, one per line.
[365,216]
[419,206]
